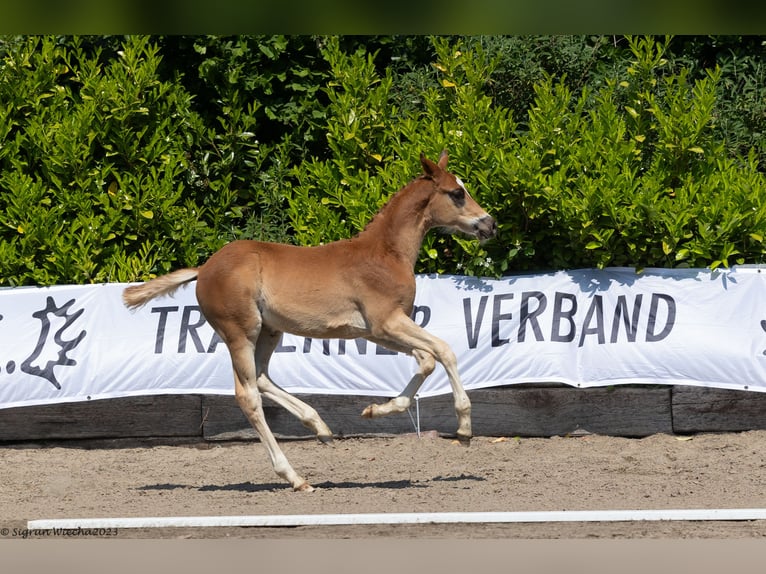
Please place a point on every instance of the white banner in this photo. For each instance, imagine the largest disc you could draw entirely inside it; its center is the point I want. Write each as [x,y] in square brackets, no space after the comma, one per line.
[583,328]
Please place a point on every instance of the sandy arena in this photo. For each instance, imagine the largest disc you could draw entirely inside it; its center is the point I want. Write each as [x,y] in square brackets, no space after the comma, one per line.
[398,474]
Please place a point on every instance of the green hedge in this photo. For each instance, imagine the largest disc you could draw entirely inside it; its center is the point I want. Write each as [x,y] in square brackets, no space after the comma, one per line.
[124,158]
[95,178]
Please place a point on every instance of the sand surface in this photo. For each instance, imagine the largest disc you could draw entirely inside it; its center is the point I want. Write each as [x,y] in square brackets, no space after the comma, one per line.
[397,474]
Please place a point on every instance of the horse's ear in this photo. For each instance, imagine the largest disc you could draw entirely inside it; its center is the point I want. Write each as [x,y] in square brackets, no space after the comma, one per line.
[443,157]
[429,167]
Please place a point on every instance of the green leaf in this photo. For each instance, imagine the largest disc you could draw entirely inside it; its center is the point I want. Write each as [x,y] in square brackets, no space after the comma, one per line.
[266,50]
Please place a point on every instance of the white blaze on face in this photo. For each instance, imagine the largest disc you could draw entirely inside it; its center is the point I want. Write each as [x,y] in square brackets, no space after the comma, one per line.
[460,183]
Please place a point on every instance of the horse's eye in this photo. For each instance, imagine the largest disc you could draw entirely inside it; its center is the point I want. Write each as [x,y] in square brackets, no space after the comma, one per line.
[458,196]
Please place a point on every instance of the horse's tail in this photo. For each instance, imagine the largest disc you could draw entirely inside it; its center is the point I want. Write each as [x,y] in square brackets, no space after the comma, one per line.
[138,295]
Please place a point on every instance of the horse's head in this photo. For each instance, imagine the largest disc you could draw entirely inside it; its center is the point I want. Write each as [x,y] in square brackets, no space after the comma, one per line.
[451,206]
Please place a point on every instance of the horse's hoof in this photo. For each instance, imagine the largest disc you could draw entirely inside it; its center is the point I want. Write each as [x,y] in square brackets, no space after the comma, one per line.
[303,487]
[325,439]
[464,440]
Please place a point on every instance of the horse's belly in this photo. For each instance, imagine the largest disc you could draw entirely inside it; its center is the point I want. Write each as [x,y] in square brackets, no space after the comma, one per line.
[319,325]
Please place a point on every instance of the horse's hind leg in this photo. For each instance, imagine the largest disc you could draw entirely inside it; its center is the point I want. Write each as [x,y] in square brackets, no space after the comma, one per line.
[264,347]
[249,399]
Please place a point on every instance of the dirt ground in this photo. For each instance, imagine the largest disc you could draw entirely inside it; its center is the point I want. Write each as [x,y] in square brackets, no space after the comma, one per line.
[396,474]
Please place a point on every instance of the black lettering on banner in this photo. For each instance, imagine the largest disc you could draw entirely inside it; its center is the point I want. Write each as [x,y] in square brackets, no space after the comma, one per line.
[559,314]
[282,348]
[621,311]
[190,329]
[214,342]
[308,341]
[525,316]
[423,310]
[381,350]
[472,328]
[651,335]
[596,309]
[187,329]
[361,346]
[161,325]
[533,315]
[497,316]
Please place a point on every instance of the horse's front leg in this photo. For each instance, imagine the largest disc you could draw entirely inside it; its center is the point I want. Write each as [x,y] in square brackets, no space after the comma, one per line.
[400,333]
[401,403]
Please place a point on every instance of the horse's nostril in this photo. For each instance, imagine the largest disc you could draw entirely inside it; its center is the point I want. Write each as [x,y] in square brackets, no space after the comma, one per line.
[491,224]
[486,227]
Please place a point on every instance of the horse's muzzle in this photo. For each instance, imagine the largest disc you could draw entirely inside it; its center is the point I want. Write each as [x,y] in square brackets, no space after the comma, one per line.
[485,228]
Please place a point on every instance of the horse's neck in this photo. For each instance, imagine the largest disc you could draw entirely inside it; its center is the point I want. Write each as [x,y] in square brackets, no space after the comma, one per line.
[400,226]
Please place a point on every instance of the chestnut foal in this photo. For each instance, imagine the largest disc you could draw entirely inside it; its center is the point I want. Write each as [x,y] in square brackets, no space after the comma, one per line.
[251,292]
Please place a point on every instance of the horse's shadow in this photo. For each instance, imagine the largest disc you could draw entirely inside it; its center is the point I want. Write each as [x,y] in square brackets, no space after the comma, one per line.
[269,486]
